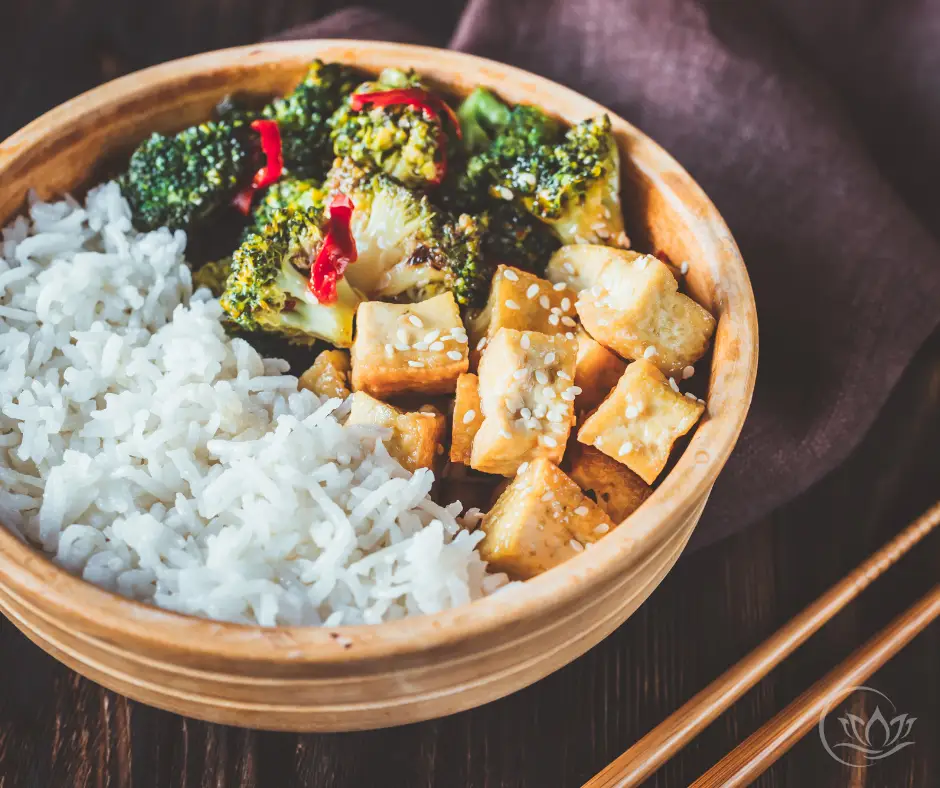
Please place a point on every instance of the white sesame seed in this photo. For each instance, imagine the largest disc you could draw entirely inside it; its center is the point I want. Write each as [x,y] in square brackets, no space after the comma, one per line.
[548,496]
[684,268]
[567,321]
[511,275]
[415,363]
[436,346]
[563,375]
[625,448]
[460,338]
[558,286]
[469,416]
[454,355]
[576,546]
[522,468]
[510,304]
[603,528]
[566,304]
[505,434]
[567,396]
[519,374]
[389,349]
[639,406]
[431,336]
[532,291]
[525,342]
[569,335]
[550,357]
[402,336]
[569,268]
[481,344]
[544,302]
[581,511]
[691,396]
[415,321]
[404,347]
[541,377]
[688,372]
[553,320]
[649,352]
[420,346]
[505,193]
[549,441]
[632,412]
[673,385]
[554,416]
[540,411]
[525,413]
[555,310]
[576,390]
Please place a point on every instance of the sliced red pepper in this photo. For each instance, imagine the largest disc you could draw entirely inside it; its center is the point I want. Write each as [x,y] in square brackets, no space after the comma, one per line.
[336,254]
[273,150]
[431,105]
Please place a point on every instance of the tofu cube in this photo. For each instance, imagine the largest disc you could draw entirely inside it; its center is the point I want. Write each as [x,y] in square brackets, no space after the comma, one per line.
[617,489]
[527,395]
[409,347]
[468,416]
[540,520]
[640,420]
[417,437]
[597,372]
[522,301]
[329,375]
[631,304]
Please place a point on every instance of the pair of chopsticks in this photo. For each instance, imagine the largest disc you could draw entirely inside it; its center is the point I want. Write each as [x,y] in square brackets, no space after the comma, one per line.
[753,756]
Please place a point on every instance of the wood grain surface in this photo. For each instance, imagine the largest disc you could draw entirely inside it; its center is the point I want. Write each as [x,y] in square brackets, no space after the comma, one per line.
[58,730]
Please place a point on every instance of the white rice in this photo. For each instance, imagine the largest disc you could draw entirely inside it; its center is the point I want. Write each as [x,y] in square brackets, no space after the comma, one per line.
[149,453]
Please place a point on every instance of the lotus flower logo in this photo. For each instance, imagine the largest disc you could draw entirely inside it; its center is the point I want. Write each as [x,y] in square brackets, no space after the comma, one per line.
[873,739]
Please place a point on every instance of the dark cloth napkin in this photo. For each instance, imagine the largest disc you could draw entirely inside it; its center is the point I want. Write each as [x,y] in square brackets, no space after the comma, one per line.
[814,125]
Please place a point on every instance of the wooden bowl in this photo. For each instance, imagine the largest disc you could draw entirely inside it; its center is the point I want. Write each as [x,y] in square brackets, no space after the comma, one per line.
[330,679]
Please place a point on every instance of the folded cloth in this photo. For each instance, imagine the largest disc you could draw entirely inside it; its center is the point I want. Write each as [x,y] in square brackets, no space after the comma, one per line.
[791,142]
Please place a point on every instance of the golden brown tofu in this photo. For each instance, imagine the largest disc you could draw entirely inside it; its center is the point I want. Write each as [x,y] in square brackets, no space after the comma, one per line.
[527,394]
[416,436]
[540,520]
[597,372]
[522,301]
[468,416]
[630,303]
[409,347]
[640,420]
[617,489]
[329,375]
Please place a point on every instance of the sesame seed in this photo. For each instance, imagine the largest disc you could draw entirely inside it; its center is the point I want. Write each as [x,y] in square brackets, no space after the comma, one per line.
[532,292]
[684,268]
[649,352]
[525,342]
[415,321]
[567,396]
[544,302]
[404,347]
[469,416]
[553,320]
[431,336]
[420,345]
[522,468]
[511,275]
[691,396]
[505,193]
[436,346]
[566,304]
[510,304]
[558,286]
[389,349]
[402,336]
[460,338]
[673,385]
[625,448]
[525,413]
[567,321]
[569,268]
[632,412]
[519,374]
[555,417]
[505,434]
[481,344]
[603,528]
[688,372]
[540,411]
[548,496]
[454,355]
[581,511]
[550,357]
[569,335]
[564,375]
[549,441]
[576,546]
[541,377]
[576,390]
[415,363]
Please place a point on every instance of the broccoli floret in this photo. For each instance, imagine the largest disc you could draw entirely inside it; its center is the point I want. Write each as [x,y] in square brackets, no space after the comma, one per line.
[213,275]
[482,116]
[407,248]
[267,288]
[402,140]
[303,116]
[573,186]
[287,195]
[516,237]
[178,181]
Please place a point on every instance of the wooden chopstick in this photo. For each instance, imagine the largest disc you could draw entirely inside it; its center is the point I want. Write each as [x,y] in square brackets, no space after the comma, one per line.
[755,754]
[680,727]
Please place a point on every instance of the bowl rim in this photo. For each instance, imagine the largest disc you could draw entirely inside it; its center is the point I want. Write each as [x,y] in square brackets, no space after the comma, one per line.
[31,574]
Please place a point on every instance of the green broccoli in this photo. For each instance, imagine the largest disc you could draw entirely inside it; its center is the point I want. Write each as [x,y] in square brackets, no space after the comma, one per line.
[573,186]
[267,288]
[303,117]
[213,275]
[482,115]
[178,181]
[403,139]
[288,194]
[513,236]
[408,249]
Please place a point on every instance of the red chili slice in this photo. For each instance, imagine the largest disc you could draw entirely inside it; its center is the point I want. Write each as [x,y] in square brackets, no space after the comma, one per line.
[336,254]
[431,105]
[273,150]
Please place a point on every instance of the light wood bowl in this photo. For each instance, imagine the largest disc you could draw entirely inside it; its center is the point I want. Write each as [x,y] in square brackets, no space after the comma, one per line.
[322,679]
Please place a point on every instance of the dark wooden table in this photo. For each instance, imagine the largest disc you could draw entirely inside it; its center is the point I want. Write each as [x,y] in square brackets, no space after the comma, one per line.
[58,730]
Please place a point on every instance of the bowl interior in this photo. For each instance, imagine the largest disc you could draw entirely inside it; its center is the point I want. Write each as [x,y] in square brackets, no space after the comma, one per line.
[70,148]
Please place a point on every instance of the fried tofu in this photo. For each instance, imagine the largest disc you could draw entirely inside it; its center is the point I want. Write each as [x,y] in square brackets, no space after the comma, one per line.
[617,489]
[329,375]
[468,416]
[522,301]
[527,395]
[597,372]
[640,420]
[540,520]
[409,347]
[417,437]
[630,303]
